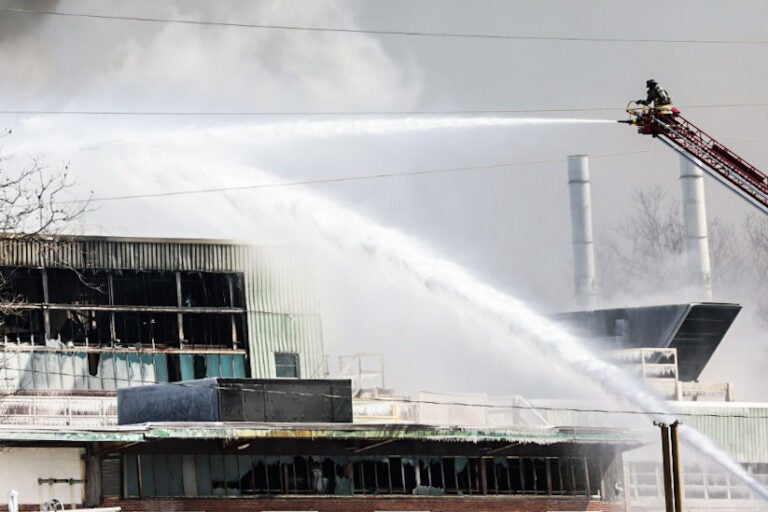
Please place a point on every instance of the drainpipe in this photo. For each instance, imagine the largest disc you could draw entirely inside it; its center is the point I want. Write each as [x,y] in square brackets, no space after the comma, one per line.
[581,227]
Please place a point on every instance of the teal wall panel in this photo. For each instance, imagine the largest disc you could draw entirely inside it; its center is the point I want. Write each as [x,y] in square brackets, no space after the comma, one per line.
[187,366]
[227,369]
[212,365]
[238,366]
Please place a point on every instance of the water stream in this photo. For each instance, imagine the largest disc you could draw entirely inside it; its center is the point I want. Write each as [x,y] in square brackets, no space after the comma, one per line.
[352,233]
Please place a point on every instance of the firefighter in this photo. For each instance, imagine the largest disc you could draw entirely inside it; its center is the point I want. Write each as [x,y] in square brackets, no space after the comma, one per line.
[657,96]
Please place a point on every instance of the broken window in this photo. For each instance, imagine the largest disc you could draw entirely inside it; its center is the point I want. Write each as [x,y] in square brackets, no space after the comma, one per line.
[21,284]
[146,329]
[144,288]
[208,289]
[237,474]
[135,307]
[208,329]
[84,287]
[24,326]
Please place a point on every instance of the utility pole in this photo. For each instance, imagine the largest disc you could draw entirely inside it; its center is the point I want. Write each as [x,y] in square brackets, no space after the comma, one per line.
[673,475]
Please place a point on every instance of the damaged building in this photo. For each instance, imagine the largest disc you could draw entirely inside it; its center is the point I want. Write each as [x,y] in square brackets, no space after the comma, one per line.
[87,318]
[288,445]
[96,313]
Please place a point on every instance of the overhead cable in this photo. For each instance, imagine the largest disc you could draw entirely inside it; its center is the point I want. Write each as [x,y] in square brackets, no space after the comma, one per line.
[399,400]
[404,33]
[257,113]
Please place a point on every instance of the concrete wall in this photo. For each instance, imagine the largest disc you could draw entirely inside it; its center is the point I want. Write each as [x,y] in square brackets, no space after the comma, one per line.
[20,469]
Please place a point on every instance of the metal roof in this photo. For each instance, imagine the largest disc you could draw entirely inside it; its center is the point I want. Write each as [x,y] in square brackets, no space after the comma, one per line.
[694,329]
[318,431]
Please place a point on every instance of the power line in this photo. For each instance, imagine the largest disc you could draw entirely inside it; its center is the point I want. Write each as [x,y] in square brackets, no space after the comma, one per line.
[365,177]
[404,33]
[318,181]
[253,113]
[402,400]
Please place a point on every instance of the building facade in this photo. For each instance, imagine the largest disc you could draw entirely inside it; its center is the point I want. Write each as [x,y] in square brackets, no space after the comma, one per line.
[95,313]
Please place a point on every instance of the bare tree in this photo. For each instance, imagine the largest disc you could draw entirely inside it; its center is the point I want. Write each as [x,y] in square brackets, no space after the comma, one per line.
[644,254]
[31,193]
[33,209]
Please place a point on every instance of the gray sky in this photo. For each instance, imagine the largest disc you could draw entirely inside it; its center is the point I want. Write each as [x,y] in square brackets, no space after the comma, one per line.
[508,225]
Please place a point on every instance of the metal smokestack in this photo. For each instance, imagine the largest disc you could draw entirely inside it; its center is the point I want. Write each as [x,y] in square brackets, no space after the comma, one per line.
[695,213]
[581,227]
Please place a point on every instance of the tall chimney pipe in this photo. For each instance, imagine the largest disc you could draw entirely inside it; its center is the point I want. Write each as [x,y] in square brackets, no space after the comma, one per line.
[696,237]
[581,226]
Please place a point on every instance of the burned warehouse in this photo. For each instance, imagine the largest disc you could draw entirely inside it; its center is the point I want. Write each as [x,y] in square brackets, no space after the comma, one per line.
[157,374]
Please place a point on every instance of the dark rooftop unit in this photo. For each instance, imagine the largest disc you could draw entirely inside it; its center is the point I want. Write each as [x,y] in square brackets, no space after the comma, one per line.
[694,329]
[245,400]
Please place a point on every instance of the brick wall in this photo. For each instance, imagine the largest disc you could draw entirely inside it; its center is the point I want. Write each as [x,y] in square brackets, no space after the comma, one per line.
[369,504]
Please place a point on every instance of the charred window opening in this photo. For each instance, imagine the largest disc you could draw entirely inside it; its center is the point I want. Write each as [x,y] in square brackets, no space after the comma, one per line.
[21,284]
[24,327]
[93,363]
[144,288]
[208,329]
[242,474]
[84,287]
[147,329]
[207,289]
[174,367]
[199,366]
[133,308]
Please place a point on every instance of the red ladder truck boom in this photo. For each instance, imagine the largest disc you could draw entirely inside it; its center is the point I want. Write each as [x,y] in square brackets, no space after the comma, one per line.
[700,148]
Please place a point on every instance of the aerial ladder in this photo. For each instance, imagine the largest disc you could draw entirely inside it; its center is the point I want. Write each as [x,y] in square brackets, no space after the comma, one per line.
[700,148]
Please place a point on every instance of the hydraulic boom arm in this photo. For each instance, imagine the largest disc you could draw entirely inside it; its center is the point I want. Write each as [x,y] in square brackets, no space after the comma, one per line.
[704,151]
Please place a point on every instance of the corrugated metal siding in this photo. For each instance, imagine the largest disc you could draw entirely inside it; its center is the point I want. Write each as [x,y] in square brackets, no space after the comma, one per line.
[286,333]
[741,429]
[282,312]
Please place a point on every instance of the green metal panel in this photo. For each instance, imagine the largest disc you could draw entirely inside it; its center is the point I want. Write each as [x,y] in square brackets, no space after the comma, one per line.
[80,370]
[217,468]
[148,368]
[131,475]
[65,361]
[187,366]
[37,367]
[133,364]
[203,470]
[227,369]
[161,368]
[212,365]
[161,474]
[122,377]
[147,475]
[106,373]
[175,472]
[232,473]
[239,365]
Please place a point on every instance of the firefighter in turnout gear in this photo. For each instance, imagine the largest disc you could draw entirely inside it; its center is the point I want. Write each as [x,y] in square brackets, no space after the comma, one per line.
[657,97]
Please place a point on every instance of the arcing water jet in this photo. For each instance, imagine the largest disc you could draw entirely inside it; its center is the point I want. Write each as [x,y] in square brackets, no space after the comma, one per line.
[350,232]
